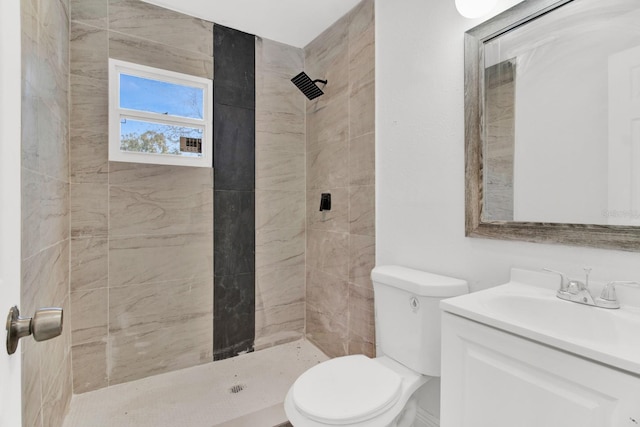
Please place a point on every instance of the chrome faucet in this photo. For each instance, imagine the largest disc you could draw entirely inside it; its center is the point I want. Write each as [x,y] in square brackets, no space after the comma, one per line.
[574,290]
[608,298]
[577,291]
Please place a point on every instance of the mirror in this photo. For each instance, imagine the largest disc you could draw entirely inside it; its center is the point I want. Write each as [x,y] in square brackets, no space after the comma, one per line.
[552,117]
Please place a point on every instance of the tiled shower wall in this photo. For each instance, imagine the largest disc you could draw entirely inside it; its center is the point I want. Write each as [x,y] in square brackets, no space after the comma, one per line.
[142,235]
[498,156]
[46,366]
[141,247]
[341,161]
[280,195]
[234,102]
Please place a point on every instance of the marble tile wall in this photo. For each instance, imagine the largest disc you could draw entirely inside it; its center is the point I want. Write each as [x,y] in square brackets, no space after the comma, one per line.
[46,366]
[280,195]
[340,159]
[141,235]
[498,156]
[234,196]
[141,262]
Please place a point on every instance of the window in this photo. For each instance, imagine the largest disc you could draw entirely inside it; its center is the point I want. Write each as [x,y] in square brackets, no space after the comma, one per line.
[159,116]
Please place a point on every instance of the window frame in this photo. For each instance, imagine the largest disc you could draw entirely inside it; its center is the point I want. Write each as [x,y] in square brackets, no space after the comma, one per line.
[116,114]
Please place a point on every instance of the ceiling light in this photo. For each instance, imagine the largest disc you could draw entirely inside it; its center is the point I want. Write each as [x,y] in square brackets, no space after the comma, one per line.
[475,8]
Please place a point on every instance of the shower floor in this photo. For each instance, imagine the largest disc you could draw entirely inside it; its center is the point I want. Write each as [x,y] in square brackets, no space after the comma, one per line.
[244,391]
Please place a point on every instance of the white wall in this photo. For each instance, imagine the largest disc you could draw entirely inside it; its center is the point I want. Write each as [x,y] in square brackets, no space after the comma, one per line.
[572,145]
[420,157]
[10,214]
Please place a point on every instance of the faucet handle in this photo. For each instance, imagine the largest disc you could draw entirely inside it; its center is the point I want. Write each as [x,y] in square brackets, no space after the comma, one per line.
[564,281]
[587,271]
[608,298]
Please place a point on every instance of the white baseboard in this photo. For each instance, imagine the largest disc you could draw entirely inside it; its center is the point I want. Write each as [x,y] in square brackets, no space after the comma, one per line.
[425,419]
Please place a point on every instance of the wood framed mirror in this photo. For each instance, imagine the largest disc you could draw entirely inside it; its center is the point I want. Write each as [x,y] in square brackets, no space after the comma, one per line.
[552,124]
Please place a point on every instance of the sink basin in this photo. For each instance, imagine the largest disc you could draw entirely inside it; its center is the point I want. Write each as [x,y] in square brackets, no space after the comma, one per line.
[534,312]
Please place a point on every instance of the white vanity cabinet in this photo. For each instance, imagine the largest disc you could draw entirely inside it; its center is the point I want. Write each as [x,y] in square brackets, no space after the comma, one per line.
[492,378]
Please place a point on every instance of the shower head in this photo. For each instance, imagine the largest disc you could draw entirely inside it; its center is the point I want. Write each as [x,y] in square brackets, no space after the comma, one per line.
[308,86]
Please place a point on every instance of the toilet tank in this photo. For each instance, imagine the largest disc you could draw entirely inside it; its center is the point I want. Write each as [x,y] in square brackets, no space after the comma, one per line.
[407,314]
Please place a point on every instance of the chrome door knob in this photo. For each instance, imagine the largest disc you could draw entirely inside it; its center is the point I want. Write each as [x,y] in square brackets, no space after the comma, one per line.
[45,324]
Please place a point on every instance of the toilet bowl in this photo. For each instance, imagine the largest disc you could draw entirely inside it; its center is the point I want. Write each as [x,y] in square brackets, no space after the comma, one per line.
[354,391]
[358,391]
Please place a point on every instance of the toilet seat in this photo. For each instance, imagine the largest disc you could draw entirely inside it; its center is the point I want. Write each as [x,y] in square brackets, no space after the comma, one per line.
[346,390]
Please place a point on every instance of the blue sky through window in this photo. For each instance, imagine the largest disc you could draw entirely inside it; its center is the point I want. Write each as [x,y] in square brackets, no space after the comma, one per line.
[138,93]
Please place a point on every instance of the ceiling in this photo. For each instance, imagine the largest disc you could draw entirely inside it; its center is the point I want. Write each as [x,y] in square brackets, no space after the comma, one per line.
[294,22]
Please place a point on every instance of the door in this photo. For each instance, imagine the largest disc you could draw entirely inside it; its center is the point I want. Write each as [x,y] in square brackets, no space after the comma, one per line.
[624,137]
[10,390]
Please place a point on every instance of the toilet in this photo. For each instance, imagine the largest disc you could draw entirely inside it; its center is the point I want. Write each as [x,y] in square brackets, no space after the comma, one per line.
[358,391]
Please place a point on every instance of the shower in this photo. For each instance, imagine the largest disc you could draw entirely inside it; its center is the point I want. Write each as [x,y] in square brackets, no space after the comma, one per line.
[308,86]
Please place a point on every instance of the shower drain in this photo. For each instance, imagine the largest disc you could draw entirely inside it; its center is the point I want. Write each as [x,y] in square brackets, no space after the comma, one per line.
[236,389]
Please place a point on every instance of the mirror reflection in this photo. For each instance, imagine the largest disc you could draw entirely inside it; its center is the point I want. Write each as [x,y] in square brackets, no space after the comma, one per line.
[561,132]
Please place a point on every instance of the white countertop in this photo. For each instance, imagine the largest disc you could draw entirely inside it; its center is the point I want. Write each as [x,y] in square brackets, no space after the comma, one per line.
[527,306]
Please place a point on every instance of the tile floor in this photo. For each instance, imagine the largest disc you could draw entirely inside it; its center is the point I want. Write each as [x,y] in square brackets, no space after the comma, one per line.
[202,396]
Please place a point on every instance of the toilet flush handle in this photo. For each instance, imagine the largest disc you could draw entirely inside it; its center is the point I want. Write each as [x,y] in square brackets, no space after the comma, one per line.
[414,303]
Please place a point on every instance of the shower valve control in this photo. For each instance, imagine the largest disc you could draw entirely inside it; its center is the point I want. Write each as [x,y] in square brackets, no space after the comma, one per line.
[325,202]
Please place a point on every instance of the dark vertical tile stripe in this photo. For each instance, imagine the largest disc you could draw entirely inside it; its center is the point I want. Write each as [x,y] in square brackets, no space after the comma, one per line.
[234,315]
[234,67]
[234,148]
[234,195]
[234,233]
